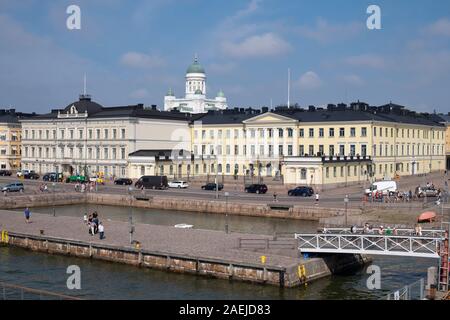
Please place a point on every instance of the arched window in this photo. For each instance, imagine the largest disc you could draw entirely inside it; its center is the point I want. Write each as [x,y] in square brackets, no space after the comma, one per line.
[303,174]
[219,168]
[228,169]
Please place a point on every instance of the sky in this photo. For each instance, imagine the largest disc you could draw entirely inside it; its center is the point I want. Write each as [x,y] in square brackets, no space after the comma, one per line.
[134,51]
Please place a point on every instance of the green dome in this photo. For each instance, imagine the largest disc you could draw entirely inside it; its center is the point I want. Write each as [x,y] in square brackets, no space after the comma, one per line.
[198,91]
[195,67]
[221,94]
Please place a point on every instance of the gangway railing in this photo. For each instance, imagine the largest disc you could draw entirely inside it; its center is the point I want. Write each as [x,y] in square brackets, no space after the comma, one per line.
[370,244]
[399,232]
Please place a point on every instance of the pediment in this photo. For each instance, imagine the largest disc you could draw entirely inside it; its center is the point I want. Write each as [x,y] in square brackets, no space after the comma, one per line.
[269,117]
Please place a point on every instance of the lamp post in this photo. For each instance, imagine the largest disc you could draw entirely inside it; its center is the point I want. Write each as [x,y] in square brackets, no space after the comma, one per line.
[54,198]
[346,200]
[130,218]
[226,212]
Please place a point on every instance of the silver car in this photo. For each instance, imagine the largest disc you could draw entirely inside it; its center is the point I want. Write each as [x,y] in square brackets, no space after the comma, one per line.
[14,187]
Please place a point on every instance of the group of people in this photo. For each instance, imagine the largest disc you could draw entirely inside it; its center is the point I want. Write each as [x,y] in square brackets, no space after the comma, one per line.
[381,230]
[94,224]
[85,186]
[43,187]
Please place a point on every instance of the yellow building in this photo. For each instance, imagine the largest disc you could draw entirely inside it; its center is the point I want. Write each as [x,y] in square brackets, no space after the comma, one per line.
[10,140]
[446,121]
[331,146]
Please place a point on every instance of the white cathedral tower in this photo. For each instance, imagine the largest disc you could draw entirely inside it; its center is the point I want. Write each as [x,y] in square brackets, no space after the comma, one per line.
[195,100]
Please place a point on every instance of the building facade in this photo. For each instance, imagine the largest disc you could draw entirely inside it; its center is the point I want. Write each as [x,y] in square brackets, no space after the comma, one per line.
[336,145]
[195,100]
[10,139]
[446,122]
[87,138]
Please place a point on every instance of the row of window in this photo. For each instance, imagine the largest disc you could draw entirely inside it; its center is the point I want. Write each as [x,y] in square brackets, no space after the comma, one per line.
[313,150]
[76,134]
[311,133]
[108,171]
[92,153]
[4,137]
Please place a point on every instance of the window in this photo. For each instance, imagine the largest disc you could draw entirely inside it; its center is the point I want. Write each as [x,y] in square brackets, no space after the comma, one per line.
[236,133]
[280,150]
[321,133]
[342,132]
[331,132]
[321,150]
[352,132]
[364,132]
[302,133]
[302,150]
[352,150]
[331,150]
[228,134]
[280,133]
[363,150]
[290,133]
[106,134]
[114,134]
[105,153]
[311,132]
[80,132]
[123,133]
[122,153]
[303,174]
[342,150]
[90,134]
[311,150]
[98,133]
[71,135]
[236,150]
[290,153]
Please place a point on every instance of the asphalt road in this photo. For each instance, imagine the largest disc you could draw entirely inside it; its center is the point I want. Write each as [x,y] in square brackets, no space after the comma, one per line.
[194,192]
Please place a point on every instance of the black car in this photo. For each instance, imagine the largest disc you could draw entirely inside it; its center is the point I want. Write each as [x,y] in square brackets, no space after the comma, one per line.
[123,181]
[152,182]
[31,176]
[52,177]
[212,186]
[5,173]
[301,192]
[256,188]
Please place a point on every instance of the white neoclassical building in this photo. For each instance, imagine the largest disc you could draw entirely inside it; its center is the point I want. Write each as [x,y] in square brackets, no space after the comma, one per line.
[195,100]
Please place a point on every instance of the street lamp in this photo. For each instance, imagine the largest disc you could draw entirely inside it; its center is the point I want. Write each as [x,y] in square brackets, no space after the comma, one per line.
[130,218]
[346,200]
[226,212]
[54,198]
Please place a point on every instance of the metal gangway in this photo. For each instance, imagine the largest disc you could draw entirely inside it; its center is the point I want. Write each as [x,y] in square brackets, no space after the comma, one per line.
[399,242]
[403,243]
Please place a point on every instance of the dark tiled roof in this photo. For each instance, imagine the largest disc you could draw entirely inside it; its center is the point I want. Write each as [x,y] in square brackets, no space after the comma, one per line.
[11,116]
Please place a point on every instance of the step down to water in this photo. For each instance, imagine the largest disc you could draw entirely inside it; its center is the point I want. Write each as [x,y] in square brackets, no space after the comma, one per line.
[280,207]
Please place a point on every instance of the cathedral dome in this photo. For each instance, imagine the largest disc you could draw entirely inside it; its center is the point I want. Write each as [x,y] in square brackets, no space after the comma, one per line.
[198,91]
[221,94]
[195,67]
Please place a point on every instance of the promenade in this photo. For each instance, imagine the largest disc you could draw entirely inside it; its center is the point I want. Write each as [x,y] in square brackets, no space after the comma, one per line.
[216,249]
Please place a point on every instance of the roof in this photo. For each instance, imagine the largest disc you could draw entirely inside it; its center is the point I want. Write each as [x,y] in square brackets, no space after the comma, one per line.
[195,67]
[11,116]
[341,113]
[95,111]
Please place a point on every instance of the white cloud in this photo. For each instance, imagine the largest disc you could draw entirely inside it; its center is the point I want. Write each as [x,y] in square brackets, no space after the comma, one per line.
[139,94]
[366,60]
[324,32]
[439,28]
[353,80]
[309,81]
[268,44]
[251,8]
[141,60]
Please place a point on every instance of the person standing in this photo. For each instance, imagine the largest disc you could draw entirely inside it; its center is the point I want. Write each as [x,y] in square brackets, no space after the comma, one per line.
[101,230]
[85,218]
[317,198]
[27,213]
[275,197]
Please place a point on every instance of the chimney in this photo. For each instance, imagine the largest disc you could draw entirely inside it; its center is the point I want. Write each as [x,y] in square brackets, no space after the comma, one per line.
[311,108]
[265,109]
[154,107]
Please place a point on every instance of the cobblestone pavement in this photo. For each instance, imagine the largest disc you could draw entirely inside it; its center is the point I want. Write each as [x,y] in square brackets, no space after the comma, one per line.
[169,240]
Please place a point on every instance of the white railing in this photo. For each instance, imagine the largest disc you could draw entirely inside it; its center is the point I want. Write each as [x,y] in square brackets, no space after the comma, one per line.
[399,232]
[371,244]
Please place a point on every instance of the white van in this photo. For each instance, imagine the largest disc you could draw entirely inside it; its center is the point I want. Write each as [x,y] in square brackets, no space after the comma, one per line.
[386,187]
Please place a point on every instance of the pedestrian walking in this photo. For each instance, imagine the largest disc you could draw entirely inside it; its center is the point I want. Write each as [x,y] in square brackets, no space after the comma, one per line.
[101,230]
[27,213]
[317,198]
[275,197]
[85,219]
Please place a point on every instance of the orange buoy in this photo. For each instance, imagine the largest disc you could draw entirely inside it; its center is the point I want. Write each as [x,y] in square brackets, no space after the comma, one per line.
[428,216]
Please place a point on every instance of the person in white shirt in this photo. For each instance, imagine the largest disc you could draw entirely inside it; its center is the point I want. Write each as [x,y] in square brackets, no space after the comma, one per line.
[101,230]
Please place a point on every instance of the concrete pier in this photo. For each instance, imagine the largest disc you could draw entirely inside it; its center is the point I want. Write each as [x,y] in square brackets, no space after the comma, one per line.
[201,252]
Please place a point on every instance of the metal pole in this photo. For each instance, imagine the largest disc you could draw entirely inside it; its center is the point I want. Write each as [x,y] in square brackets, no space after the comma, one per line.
[226,212]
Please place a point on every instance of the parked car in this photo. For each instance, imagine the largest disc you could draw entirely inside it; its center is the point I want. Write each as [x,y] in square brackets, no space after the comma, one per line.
[385,187]
[212,186]
[97,179]
[152,182]
[14,187]
[256,188]
[21,173]
[123,181]
[53,177]
[76,178]
[301,192]
[5,173]
[31,176]
[178,184]
[426,192]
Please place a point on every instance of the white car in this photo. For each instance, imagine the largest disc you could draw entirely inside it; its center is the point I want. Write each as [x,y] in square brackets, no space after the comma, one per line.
[21,173]
[385,187]
[178,184]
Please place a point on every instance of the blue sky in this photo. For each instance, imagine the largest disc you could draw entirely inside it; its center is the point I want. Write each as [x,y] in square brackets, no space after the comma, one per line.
[133,51]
